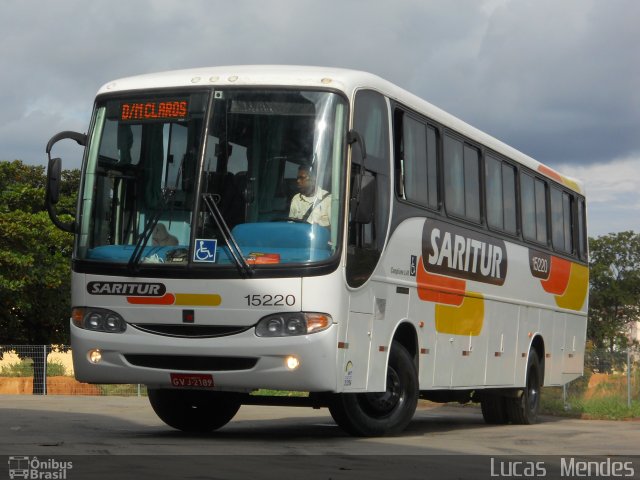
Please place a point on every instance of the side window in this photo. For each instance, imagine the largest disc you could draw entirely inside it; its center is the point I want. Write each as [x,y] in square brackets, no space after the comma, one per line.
[534,208]
[582,229]
[501,195]
[372,122]
[461,179]
[453,176]
[367,235]
[509,198]
[561,230]
[541,211]
[432,166]
[528,202]
[416,158]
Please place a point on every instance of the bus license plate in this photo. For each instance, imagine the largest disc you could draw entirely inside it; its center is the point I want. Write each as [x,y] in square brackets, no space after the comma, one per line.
[191,380]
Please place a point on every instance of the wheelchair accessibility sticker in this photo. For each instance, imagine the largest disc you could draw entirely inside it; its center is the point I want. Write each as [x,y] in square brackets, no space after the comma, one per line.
[205,250]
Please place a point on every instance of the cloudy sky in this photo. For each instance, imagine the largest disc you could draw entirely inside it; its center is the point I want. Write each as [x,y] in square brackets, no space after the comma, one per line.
[556,79]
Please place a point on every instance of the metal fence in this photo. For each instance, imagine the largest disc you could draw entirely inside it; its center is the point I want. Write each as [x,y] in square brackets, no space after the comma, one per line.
[23,372]
[612,376]
[608,377]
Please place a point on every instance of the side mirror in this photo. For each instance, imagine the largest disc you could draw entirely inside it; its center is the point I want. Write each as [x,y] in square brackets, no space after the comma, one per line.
[54,176]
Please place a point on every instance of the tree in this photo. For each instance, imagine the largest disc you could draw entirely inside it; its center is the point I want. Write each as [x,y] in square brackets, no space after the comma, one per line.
[614,298]
[34,261]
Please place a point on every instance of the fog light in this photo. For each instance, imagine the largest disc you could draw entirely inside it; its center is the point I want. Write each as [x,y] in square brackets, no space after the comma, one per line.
[292,362]
[94,356]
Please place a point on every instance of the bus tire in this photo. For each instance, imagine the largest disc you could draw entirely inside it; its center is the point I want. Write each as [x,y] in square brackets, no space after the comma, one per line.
[494,410]
[194,411]
[381,413]
[523,410]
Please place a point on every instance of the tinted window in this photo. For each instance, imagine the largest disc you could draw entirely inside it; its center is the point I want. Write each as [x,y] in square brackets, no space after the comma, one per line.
[472,183]
[432,166]
[414,161]
[417,161]
[582,231]
[453,176]
[509,198]
[541,211]
[461,179]
[561,220]
[366,238]
[501,195]
[528,207]
[534,208]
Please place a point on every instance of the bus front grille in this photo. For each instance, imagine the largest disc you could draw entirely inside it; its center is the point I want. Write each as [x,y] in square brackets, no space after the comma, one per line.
[191,362]
[190,331]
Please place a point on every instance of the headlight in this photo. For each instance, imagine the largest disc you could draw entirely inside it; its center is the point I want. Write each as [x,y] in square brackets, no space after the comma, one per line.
[98,320]
[290,324]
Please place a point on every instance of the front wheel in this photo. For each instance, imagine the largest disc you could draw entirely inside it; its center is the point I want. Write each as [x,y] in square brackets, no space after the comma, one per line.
[381,413]
[524,409]
[194,411]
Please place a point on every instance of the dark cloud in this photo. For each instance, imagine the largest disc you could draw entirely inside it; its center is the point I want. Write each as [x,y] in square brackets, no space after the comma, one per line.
[557,80]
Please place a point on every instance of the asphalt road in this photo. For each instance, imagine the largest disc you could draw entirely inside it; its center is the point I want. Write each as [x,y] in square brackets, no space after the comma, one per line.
[103,435]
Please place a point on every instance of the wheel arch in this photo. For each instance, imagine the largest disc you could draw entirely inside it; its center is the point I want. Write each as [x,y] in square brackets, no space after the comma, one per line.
[407,336]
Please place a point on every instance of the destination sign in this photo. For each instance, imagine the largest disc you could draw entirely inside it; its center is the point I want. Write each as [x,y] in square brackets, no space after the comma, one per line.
[154,110]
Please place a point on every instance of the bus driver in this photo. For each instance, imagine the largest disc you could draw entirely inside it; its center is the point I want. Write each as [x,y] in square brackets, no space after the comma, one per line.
[311,204]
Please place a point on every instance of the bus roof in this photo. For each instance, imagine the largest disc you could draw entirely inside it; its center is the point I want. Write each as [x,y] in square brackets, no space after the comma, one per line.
[345,80]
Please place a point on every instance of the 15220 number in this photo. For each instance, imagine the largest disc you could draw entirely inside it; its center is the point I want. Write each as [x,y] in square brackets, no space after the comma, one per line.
[270,300]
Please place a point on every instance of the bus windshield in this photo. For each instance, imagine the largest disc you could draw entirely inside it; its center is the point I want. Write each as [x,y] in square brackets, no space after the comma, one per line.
[176,180]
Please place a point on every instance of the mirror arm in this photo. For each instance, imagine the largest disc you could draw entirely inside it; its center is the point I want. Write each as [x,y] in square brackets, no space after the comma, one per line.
[80,138]
[54,172]
[354,136]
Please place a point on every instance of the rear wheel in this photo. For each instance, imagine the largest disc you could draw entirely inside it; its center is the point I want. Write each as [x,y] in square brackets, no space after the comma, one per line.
[494,409]
[381,413]
[523,410]
[194,410]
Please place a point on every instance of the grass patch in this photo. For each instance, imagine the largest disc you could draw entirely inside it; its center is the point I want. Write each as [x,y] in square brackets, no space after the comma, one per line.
[610,407]
[279,393]
[124,390]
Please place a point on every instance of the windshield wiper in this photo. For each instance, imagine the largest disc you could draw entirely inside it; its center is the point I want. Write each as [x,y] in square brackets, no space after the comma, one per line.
[143,239]
[243,267]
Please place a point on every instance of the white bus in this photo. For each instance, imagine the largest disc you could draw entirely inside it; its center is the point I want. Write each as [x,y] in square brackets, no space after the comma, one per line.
[434,262]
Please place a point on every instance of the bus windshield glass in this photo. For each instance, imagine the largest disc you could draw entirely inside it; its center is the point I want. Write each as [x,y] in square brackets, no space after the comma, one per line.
[180,179]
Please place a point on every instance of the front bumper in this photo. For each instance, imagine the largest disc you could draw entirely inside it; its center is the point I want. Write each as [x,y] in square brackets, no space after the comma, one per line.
[228,357]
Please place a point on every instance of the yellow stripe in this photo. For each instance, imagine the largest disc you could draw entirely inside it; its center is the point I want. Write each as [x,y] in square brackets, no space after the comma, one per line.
[198,299]
[467,319]
[576,291]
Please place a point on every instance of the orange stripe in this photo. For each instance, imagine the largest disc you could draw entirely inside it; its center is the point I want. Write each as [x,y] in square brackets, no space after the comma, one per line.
[439,289]
[551,173]
[559,272]
[166,299]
